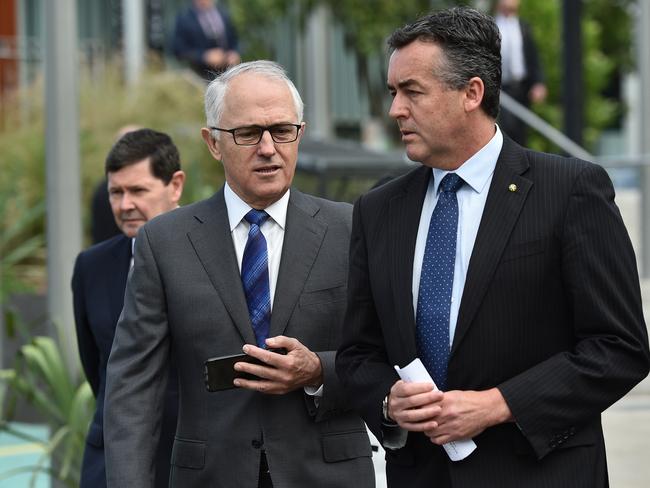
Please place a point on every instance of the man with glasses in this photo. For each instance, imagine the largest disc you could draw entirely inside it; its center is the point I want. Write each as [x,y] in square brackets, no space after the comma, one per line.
[258,267]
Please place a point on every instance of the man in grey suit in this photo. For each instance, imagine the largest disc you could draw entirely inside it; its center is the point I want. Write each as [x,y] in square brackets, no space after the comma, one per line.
[194,294]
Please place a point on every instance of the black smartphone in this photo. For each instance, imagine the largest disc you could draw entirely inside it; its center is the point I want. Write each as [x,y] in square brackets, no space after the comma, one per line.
[220,372]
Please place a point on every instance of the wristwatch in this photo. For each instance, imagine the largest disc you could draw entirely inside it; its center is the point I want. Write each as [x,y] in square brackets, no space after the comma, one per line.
[384,411]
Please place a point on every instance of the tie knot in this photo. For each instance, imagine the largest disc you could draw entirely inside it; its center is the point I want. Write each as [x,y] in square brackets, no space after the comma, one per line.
[451,183]
[257,217]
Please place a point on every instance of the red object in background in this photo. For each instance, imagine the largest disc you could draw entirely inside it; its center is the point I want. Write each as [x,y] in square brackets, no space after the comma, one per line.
[8,61]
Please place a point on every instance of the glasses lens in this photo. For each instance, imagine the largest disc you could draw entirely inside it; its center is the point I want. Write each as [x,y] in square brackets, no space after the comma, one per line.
[247,135]
[284,133]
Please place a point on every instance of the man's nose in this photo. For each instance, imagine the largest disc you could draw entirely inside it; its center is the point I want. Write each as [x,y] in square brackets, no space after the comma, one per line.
[127,202]
[398,109]
[266,146]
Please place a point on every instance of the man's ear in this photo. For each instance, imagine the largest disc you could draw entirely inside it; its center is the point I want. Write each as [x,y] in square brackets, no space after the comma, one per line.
[213,145]
[474,92]
[176,185]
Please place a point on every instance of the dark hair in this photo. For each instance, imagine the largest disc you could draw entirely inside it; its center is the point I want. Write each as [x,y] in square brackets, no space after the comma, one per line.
[140,144]
[471,44]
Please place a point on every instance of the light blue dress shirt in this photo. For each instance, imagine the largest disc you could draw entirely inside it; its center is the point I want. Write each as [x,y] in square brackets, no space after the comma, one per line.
[477,173]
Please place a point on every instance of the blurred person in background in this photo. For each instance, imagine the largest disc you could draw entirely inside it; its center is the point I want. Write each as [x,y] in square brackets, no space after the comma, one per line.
[522,76]
[205,37]
[102,220]
[144,180]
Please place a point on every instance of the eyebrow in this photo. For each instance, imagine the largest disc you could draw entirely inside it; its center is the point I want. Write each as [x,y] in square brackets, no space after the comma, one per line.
[405,83]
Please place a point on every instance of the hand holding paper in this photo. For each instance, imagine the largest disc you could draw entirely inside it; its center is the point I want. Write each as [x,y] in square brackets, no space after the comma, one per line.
[416,372]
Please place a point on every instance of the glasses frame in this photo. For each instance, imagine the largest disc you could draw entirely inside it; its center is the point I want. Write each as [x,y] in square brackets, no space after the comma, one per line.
[263,129]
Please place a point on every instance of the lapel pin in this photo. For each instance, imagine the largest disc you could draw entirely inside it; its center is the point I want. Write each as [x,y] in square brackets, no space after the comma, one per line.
[512,187]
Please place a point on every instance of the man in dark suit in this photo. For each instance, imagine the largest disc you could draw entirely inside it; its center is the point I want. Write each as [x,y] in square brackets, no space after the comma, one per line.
[521,75]
[205,38]
[258,266]
[144,179]
[516,284]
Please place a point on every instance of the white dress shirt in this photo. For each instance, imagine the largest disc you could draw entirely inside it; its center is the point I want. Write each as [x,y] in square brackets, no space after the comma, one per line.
[132,252]
[272,229]
[477,173]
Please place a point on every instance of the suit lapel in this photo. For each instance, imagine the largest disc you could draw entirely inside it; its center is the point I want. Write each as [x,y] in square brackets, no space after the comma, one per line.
[403,220]
[213,245]
[501,212]
[303,237]
[117,272]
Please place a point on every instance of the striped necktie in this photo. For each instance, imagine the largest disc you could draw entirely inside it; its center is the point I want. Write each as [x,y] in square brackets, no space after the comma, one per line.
[255,276]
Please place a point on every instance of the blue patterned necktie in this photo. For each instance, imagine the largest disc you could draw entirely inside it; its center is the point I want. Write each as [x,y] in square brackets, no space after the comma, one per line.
[255,276]
[436,280]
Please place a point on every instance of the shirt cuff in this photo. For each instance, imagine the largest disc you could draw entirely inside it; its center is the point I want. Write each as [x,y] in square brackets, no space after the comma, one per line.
[313,391]
[393,436]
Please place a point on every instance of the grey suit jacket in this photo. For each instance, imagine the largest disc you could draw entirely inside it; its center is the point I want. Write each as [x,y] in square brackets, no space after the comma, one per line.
[185,299]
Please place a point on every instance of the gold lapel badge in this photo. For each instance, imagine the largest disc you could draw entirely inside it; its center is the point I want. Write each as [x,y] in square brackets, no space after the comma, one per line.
[512,187]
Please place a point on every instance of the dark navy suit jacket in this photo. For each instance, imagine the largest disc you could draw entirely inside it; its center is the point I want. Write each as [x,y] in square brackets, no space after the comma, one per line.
[98,285]
[550,314]
[190,42]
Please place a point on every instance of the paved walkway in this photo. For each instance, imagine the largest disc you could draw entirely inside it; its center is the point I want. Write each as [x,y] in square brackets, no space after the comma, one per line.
[16,453]
[627,422]
[627,437]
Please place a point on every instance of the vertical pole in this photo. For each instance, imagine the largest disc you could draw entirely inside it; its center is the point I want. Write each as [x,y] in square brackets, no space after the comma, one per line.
[62,165]
[573,86]
[317,82]
[643,41]
[134,38]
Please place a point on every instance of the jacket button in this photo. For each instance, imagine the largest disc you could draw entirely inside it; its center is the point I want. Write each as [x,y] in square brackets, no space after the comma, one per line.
[256,444]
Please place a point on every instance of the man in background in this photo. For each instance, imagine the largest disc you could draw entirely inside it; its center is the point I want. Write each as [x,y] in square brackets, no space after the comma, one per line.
[205,38]
[144,180]
[522,77]
[102,220]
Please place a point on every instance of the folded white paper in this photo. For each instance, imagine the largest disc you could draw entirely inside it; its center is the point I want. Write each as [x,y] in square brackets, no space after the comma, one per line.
[415,372]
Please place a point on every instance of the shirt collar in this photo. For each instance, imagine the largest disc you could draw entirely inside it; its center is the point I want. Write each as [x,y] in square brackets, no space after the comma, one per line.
[478,169]
[237,208]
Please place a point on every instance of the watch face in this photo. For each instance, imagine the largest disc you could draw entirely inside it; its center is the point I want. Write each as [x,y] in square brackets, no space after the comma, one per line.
[384,408]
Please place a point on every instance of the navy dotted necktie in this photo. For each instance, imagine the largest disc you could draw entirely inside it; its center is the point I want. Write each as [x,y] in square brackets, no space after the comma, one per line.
[255,276]
[436,280]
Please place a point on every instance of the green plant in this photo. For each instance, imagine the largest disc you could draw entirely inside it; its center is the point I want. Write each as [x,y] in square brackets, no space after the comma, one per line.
[21,240]
[606,38]
[42,379]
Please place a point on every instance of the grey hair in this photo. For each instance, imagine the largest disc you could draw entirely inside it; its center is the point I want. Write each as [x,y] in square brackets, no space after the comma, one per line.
[215,93]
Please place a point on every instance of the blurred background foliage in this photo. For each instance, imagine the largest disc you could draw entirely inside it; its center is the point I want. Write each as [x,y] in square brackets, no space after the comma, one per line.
[64,401]
[171,101]
[607,49]
[607,39]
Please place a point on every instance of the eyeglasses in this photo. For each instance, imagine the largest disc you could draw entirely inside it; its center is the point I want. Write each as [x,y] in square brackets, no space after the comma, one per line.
[252,134]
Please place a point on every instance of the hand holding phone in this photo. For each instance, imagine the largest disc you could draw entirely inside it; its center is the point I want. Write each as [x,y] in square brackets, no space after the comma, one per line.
[220,372]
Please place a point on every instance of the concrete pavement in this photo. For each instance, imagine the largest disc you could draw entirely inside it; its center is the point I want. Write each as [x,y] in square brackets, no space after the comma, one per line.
[627,422]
